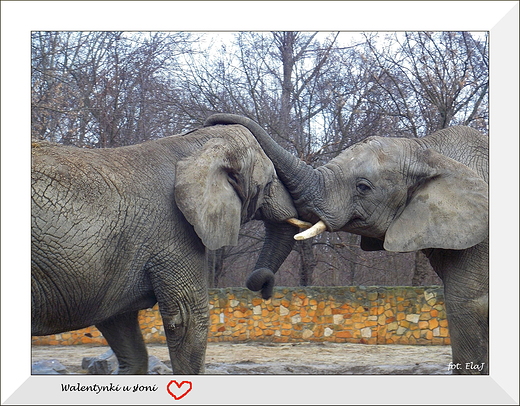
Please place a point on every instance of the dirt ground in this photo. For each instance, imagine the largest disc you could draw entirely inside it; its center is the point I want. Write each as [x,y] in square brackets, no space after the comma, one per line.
[280,358]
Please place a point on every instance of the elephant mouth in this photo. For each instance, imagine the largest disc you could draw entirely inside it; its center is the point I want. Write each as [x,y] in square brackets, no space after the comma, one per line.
[359,226]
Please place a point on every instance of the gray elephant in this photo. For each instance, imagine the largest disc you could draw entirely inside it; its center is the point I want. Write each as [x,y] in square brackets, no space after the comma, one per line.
[404,195]
[117,230]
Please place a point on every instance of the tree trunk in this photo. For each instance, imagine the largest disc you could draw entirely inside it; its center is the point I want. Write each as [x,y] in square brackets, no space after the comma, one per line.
[286,48]
[422,269]
[214,266]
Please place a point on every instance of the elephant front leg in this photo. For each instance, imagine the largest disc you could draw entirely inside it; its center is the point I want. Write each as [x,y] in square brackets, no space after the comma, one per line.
[466,286]
[469,334]
[124,336]
[180,286]
[186,329]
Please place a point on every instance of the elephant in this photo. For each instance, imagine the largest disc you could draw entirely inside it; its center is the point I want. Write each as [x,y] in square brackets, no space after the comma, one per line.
[118,230]
[404,195]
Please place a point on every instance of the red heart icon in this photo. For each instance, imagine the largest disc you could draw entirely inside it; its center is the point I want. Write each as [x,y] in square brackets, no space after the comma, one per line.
[181,393]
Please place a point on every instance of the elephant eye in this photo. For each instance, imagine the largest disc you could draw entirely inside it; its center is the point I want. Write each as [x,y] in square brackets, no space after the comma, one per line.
[363,187]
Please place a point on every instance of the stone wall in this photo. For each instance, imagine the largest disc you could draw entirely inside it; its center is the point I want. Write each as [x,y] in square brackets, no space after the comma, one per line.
[369,315]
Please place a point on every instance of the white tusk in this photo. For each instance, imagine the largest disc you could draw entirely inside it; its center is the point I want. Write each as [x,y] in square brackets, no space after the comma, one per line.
[315,230]
[299,223]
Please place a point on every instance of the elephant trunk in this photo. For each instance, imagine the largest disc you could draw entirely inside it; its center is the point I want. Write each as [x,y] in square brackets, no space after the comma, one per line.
[296,175]
[278,244]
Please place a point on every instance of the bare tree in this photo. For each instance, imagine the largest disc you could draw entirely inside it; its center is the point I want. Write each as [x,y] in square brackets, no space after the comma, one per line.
[104,89]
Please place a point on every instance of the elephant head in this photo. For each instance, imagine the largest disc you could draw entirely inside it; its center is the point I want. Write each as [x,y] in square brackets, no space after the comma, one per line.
[229,182]
[403,195]
[399,194]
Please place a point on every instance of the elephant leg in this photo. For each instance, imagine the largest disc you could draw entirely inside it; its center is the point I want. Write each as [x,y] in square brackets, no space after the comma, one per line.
[182,293]
[124,336]
[469,334]
[466,286]
[186,335]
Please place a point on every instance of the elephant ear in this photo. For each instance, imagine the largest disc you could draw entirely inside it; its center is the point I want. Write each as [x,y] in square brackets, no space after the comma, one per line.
[447,208]
[205,196]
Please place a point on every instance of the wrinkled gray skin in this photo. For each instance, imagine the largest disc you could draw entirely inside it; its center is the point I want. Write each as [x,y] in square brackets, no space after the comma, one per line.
[404,195]
[118,230]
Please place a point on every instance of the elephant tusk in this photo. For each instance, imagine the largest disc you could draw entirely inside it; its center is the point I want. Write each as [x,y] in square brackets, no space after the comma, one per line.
[299,223]
[315,230]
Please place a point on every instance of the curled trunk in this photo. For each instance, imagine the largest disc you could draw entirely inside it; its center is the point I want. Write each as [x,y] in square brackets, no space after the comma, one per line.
[278,244]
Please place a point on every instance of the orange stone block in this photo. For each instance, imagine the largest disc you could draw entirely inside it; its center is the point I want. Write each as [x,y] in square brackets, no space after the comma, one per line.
[256,301]
[433,323]
[356,317]
[423,324]
[344,334]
